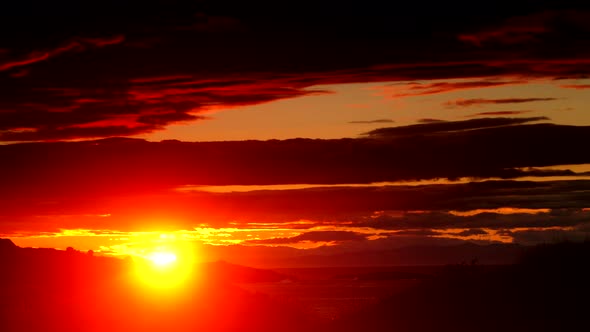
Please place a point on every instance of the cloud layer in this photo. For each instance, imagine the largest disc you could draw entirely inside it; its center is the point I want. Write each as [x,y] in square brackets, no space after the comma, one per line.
[81,78]
[129,184]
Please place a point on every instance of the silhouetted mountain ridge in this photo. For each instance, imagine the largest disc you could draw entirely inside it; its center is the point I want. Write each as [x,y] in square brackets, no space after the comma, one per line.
[55,290]
[222,270]
[7,244]
[490,254]
[544,291]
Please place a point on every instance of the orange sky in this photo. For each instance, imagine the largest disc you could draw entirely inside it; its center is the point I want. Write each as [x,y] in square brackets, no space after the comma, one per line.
[349,110]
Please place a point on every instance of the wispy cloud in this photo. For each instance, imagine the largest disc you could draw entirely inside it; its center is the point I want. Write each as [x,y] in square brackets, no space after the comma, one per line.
[315,236]
[422,89]
[75,44]
[497,113]
[429,120]
[532,28]
[372,121]
[449,126]
[576,86]
[484,101]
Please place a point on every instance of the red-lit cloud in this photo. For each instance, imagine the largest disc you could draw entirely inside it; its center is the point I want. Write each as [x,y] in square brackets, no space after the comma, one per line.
[521,29]
[73,45]
[531,28]
[144,73]
[148,103]
[175,62]
[142,106]
[131,184]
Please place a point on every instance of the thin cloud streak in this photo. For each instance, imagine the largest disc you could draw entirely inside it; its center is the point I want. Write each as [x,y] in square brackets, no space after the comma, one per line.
[483,101]
[576,86]
[377,121]
[422,89]
[76,44]
[496,113]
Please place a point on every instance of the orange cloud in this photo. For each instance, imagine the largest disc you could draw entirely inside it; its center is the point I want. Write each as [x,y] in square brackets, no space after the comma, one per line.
[576,86]
[502,210]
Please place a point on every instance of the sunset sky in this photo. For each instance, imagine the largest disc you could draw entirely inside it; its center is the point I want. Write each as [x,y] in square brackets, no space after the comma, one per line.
[325,126]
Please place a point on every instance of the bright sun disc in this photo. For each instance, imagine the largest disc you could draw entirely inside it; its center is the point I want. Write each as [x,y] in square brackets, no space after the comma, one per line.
[162,259]
[166,267]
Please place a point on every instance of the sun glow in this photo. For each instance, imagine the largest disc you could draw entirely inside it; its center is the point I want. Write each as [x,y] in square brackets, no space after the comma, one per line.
[162,259]
[166,266]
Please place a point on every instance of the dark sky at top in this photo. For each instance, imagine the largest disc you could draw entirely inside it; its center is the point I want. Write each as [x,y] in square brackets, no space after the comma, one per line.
[116,68]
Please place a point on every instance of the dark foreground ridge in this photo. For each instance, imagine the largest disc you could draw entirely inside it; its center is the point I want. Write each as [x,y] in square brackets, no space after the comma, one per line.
[546,291]
[51,290]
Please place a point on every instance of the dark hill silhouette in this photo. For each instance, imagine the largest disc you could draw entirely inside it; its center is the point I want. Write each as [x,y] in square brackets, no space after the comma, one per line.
[491,254]
[222,270]
[53,290]
[545,291]
[383,275]
[6,244]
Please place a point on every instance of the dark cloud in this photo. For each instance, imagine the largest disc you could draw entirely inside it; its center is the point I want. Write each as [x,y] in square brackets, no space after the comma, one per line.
[531,171]
[429,120]
[437,221]
[546,236]
[144,105]
[65,73]
[415,232]
[214,24]
[531,28]
[372,121]
[390,208]
[497,113]
[483,101]
[315,236]
[72,133]
[479,148]
[448,126]
[470,232]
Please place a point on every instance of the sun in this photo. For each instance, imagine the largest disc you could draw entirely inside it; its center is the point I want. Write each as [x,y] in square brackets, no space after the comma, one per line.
[166,267]
[162,259]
